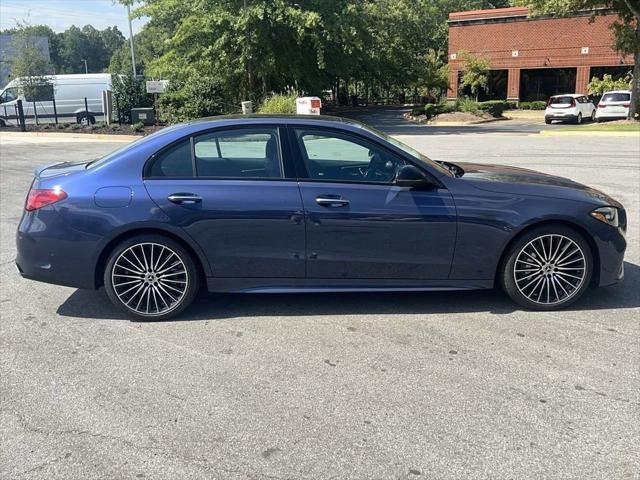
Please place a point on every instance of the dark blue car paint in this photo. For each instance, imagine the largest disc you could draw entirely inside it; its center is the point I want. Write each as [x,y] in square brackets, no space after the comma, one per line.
[251,235]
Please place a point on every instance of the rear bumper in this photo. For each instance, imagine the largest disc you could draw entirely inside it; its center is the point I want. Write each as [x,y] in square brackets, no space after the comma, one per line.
[49,251]
[600,114]
[569,117]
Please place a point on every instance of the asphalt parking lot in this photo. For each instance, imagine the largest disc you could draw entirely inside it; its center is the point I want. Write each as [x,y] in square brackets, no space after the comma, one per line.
[333,386]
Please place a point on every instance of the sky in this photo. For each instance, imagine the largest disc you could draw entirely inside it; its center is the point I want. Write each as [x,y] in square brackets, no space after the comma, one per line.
[61,14]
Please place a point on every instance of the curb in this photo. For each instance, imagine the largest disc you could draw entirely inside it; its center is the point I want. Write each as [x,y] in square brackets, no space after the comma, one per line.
[72,136]
[586,133]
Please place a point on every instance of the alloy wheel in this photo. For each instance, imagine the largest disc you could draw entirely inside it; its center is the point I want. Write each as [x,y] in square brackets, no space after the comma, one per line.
[149,279]
[550,269]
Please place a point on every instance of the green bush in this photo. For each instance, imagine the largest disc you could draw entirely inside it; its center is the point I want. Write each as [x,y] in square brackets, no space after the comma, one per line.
[415,111]
[128,93]
[115,127]
[76,126]
[61,126]
[468,105]
[138,127]
[537,105]
[278,103]
[495,108]
[191,97]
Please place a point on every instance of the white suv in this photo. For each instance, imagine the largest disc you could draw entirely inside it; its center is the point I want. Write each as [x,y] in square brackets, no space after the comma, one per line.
[614,104]
[571,106]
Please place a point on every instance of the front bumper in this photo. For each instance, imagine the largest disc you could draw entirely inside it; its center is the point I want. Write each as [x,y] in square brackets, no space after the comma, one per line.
[611,245]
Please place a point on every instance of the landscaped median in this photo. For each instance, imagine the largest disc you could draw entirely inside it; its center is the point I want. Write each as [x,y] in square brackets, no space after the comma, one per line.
[465,111]
[622,128]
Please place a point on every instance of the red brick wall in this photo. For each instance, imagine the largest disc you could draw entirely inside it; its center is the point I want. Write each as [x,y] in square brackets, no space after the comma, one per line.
[541,43]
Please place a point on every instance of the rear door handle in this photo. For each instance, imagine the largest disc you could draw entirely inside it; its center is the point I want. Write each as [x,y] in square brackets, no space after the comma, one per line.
[184,198]
[331,201]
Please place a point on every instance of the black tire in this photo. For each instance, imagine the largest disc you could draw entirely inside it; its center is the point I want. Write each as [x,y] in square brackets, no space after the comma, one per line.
[508,273]
[186,282]
[547,121]
[84,119]
[579,119]
[593,116]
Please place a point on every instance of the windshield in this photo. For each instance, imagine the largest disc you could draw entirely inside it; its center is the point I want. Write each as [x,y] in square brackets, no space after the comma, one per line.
[407,149]
[9,95]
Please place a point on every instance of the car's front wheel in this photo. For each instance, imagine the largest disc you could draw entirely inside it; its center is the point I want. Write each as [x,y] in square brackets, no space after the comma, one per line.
[579,119]
[547,268]
[151,277]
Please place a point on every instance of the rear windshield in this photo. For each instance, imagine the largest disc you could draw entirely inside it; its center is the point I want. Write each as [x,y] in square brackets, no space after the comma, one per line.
[560,100]
[616,97]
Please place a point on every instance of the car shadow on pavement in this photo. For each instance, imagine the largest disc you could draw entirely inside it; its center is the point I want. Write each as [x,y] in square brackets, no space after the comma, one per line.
[209,306]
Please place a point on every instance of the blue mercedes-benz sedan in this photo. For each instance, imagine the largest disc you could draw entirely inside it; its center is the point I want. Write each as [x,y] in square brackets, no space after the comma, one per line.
[309,204]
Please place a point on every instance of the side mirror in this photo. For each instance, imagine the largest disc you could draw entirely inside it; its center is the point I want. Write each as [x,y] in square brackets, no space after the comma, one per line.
[410,176]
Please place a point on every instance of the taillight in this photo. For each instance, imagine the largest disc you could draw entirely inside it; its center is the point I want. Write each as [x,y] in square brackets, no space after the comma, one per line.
[41,197]
[626,105]
[601,105]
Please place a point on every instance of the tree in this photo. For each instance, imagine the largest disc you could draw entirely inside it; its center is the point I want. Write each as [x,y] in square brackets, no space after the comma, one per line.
[626,29]
[598,86]
[475,73]
[433,74]
[30,64]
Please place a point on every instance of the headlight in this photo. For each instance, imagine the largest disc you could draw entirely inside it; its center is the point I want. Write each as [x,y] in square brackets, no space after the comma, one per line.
[607,215]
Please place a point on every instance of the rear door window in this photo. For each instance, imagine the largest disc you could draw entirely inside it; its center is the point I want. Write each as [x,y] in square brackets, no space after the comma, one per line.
[174,162]
[240,153]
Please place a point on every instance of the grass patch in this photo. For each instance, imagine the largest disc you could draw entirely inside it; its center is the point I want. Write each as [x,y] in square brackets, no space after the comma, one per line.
[607,127]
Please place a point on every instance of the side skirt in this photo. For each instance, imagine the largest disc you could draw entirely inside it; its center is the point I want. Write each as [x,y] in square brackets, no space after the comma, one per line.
[311,285]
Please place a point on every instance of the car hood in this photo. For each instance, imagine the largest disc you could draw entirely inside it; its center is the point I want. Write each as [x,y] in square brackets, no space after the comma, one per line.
[506,179]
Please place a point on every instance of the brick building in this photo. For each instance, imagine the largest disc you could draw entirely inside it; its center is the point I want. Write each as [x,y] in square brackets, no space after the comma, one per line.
[533,58]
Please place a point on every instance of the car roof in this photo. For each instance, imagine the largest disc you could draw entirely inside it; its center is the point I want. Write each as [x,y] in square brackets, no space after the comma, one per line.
[617,91]
[575,95]
[270,118]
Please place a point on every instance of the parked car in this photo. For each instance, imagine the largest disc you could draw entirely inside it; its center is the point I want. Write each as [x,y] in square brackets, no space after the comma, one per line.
[614,104]
[569,107]
[69,92]
[309,204]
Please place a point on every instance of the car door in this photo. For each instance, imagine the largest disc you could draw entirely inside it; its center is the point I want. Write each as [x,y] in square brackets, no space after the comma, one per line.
[234,193]
[360,225]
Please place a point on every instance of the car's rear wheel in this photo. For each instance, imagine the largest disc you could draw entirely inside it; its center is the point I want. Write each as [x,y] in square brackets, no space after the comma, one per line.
[547,121]
[579,119]
[593,116]
[547,268]
[151,277]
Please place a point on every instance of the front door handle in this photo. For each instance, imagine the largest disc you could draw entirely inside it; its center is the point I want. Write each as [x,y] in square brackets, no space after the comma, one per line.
[332,201]
[184,198]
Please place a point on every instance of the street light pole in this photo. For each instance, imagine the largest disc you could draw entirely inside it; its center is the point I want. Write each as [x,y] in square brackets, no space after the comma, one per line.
[133,55]
[86,70]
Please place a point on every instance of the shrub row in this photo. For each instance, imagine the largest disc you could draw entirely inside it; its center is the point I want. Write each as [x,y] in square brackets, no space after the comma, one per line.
[538,105]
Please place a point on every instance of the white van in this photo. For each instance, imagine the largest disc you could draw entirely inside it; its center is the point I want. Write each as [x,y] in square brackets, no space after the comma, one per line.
[69,92]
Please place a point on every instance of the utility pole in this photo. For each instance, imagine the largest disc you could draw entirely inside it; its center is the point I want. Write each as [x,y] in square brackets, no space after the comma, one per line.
[86,70]
[133,55]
